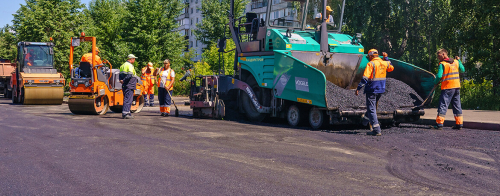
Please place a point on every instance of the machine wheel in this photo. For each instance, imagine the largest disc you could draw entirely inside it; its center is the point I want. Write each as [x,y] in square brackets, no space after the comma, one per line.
[101,105]
[316,118]
[250,111]
[293,115]
[14,94]
[20,99]
[137,104]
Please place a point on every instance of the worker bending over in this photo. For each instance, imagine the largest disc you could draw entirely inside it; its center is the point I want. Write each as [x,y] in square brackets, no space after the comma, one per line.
[166,77]
[148,81]
[374,82]
[88,57]
[448,75]
[129,81]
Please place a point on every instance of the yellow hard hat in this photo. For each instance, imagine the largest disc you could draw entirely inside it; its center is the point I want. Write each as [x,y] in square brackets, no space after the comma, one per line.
[97,49]
[328,8]
[372,52]
[150,64]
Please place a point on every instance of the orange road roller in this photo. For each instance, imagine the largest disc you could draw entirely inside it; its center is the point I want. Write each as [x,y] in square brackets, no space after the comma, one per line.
[96,88]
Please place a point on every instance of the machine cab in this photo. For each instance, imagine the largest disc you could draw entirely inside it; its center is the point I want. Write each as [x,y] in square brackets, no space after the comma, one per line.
[35,57]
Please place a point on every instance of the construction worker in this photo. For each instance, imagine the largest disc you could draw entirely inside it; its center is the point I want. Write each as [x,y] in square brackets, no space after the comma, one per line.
[374,82]
[30,57]
[166,80]
[129,81]
[329,17]
[448,75]
[88,57]
[148,81]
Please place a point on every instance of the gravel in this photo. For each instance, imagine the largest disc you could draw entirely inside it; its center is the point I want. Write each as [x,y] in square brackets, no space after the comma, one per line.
[398,95]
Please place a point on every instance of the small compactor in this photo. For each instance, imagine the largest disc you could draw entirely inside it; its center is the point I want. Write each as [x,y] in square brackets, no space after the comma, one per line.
[95,88]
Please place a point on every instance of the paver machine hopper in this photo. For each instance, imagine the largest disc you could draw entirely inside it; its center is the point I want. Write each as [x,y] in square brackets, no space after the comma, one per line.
[35,81]
[96,88]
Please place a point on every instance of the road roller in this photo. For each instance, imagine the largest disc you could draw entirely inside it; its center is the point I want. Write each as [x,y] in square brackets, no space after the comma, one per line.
[96,88]
[35,81]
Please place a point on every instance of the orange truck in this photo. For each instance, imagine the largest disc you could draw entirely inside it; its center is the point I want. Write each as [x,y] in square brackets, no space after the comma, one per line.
[6,69]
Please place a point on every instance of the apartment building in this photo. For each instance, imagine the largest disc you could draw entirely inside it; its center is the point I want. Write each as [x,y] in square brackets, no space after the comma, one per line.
[187,21]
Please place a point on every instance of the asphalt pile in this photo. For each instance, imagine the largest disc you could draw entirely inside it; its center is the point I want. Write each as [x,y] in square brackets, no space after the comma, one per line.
[398,96]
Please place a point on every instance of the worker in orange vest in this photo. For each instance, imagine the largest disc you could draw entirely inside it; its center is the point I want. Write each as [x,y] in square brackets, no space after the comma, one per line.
[88,57]
[166,80]
[148,80]
[30,57]
[374,82]
[448,75]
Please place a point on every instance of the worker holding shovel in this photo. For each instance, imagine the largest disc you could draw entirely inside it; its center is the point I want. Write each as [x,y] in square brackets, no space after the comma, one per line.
[166,80]
[448,75]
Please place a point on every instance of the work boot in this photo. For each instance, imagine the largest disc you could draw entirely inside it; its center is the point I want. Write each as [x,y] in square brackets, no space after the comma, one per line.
[437,127]
[162,114]
[151,105]
[457,127]
[166,114]
[374,133]
[128,117]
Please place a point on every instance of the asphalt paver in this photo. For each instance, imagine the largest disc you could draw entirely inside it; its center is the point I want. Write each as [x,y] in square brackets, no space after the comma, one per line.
[47,150]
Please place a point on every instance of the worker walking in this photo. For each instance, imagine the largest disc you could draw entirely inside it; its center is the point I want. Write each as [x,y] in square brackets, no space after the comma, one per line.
[129,81]
[166,82]
[374,82]
[148,81]
[448,75]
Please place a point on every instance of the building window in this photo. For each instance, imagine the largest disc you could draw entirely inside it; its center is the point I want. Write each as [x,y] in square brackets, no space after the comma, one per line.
[196,20]
[191,21]
[197,9]
[190,43]
[196,1]
[196,43]
[191,10]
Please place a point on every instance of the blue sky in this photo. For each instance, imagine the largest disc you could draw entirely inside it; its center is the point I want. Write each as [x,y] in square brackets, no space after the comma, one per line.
[11,6]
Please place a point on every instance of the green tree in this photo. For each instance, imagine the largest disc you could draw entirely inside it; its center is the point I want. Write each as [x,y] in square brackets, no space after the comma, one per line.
[215,17]
[7,43]
[475,25]
[150,31]
[408,30]
[39,20]
[105,21]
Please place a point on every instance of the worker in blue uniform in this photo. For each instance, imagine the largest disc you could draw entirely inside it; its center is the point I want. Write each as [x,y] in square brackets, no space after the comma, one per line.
[374,82]
[129,81]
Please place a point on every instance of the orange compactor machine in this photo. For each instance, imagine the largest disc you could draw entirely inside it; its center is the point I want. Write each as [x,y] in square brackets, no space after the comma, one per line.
[95,88]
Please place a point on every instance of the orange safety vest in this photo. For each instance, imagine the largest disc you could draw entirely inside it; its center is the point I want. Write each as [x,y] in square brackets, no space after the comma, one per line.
[379,71]
[451,76]
[29,58]
[168,80]
[148,77]
[88,58]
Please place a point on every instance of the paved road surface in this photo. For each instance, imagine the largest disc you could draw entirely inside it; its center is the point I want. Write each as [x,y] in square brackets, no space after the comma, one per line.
[46,150]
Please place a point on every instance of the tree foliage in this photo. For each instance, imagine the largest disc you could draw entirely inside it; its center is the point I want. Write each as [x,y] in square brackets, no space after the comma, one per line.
[39,20]
[7,43]
[148,29]
[215,17]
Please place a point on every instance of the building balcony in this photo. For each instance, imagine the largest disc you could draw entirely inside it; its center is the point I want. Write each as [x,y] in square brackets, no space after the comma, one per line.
[259,4]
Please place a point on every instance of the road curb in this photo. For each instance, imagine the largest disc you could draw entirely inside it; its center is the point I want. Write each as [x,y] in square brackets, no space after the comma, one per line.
[467,124]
